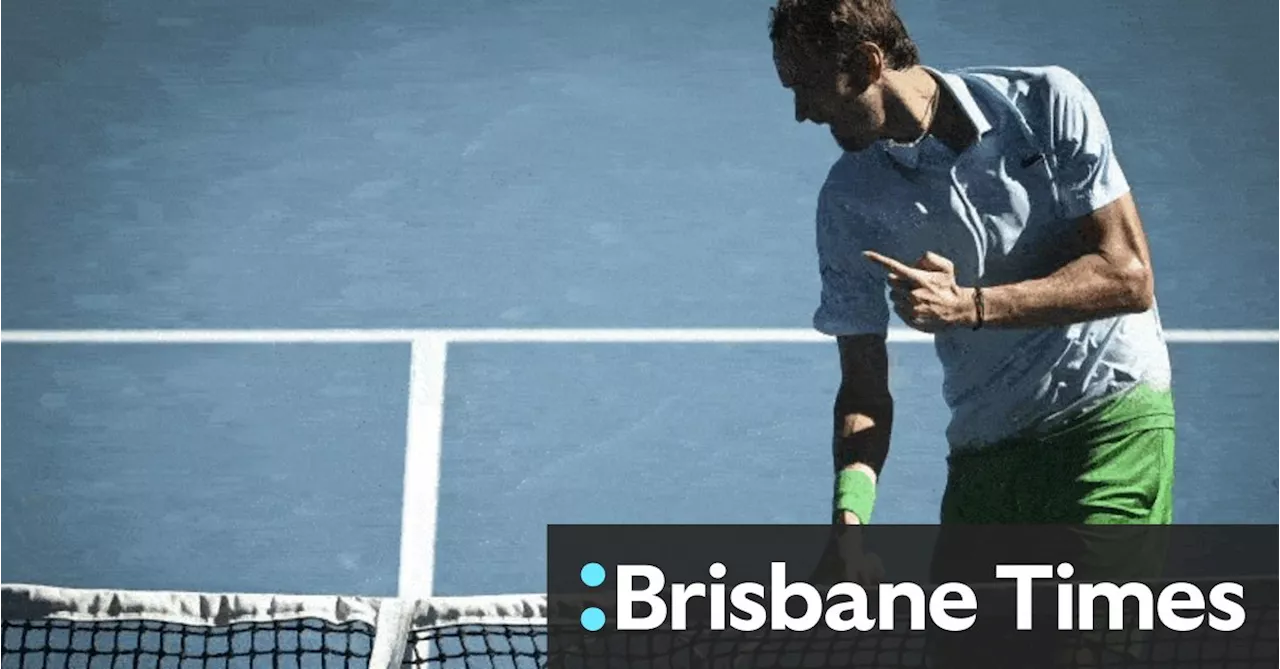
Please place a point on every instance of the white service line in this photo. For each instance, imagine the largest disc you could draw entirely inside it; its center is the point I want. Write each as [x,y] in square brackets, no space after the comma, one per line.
[652,336]
[1222,336]
[313,336]
[428,362]
[532,336]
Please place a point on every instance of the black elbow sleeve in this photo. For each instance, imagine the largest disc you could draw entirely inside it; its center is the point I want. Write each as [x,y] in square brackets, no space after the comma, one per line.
[869,444]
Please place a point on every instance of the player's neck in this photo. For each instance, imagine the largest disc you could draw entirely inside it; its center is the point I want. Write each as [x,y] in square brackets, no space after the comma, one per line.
[911,106]
[951,125]
[926,107]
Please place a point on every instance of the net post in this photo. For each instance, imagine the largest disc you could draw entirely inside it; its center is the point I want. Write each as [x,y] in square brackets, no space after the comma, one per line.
[394,618]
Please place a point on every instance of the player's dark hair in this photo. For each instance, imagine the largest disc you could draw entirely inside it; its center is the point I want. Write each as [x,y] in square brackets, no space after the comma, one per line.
[838,26]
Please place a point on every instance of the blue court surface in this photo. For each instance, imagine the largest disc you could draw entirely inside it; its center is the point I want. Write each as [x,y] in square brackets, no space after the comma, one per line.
[523,165]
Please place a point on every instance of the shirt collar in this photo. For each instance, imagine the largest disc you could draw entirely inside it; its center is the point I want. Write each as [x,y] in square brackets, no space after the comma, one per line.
[910,155]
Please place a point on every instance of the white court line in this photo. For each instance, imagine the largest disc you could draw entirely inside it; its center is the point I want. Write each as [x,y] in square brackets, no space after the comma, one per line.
[315,336]
[532,335]
[428,361]
[1222,336]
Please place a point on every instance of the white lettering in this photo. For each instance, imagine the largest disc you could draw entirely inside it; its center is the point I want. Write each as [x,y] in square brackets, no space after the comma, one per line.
[856,606]
[756,613]
[1115,596]
[1233,609]
[890,592]
[939,605]
[1024,574]
[1168,606]
[628,597]
[681,593]
[783,592]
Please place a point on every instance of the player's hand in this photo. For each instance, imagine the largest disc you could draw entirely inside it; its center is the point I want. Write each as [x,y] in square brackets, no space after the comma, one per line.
[926,296]
[845,560]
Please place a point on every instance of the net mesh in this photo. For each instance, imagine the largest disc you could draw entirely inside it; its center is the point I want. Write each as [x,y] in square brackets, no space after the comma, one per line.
[53,628]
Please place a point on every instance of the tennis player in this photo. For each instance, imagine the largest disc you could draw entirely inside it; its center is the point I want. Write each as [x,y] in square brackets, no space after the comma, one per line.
[985,206]
[989,204]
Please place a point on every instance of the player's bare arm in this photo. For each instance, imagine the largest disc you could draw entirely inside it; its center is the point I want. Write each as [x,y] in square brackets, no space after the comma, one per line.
[1108,273]
[863,412]
[1110,276]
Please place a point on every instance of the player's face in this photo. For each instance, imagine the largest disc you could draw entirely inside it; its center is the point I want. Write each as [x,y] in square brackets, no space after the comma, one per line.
[825,96]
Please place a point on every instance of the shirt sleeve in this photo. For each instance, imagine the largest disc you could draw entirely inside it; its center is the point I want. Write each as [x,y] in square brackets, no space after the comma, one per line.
[1088,174]
[853,300]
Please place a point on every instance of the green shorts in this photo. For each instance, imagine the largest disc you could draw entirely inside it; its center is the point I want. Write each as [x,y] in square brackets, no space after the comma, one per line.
[1114,466]
[1111,468]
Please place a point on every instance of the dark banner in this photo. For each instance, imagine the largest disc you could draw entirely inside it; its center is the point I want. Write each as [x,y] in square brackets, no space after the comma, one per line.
[912,596]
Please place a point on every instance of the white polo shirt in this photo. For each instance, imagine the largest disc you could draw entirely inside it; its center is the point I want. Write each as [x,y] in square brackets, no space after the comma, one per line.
[1002,211]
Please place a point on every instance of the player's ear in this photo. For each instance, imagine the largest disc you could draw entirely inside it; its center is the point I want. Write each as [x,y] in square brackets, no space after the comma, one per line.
[867,63]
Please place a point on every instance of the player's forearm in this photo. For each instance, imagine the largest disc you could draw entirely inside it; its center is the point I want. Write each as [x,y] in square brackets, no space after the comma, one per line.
[860,447]
[863,420]
[861,435]
[1091,287]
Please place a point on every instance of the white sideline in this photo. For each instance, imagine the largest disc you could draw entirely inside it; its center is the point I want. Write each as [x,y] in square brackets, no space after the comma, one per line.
[533,335]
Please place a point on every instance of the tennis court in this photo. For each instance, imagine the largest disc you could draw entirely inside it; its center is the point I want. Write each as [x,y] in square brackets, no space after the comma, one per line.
[302,217]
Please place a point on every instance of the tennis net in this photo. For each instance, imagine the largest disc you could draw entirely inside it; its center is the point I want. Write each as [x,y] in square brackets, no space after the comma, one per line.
[56,628]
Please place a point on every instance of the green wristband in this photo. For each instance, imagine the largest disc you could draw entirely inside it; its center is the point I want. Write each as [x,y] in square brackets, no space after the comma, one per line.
[856,493]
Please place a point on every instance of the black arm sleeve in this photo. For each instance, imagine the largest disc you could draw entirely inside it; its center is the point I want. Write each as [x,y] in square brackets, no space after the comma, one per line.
[864,389]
